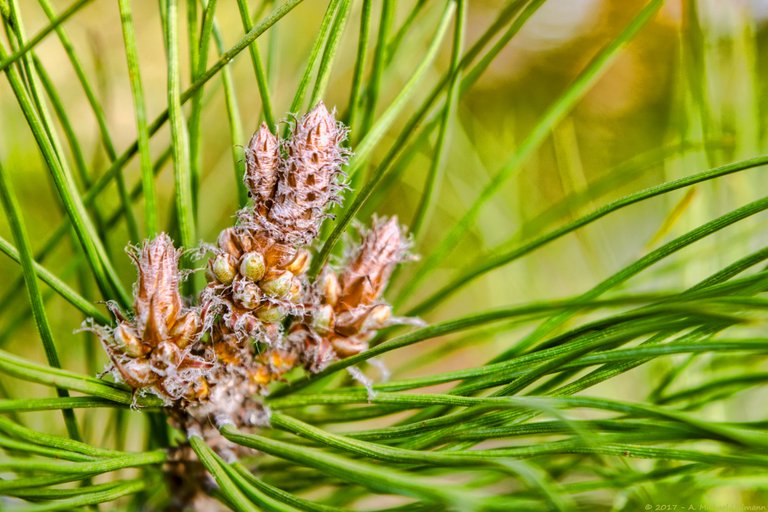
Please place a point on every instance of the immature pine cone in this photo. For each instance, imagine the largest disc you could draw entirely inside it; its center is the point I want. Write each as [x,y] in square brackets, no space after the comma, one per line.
[212,362]
[307,181]
[153,350]
[262,159]
[349,311]
[257,273]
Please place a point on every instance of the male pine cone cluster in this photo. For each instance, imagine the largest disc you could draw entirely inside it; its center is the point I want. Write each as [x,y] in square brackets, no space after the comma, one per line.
[260,315]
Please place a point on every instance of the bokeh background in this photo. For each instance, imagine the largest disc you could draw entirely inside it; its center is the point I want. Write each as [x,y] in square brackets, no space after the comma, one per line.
[686,94]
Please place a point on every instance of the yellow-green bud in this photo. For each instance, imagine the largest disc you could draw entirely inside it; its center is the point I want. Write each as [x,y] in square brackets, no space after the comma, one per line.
[323,319]
[279,285]
[270,313]
[224,268]
[252,266]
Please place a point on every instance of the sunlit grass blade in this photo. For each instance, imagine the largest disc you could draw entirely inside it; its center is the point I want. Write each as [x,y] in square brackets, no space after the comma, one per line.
[539,133]
[37,38]
[329,53]
[234,495]
[377,69]
[431,189]
[258,68]
[314,54]
[137,90]
[40,124]
[278,494]
[493,261]
[235,123]
[57,285]
[662,252]
[13,213]
[375,134]
[356,90]
[103,180]
[379,478]
[26,370]
[185,207]
[91,495]
[98,112]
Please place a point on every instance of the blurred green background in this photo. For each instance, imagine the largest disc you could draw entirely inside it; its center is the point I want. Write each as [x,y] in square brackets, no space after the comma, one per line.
[686,94]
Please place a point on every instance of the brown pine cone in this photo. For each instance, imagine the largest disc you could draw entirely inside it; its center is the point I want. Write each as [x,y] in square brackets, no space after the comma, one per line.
[153,350]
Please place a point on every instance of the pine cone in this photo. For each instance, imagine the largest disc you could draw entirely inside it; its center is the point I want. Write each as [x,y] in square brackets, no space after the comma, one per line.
[212,362]
[153,350]
[256,277]
[262,159]
[290,208]
[349,311]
